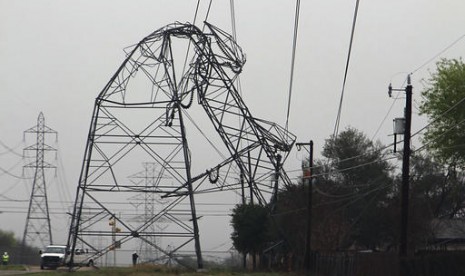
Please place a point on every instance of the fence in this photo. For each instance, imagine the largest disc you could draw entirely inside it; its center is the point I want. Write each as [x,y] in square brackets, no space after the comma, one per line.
[442,263]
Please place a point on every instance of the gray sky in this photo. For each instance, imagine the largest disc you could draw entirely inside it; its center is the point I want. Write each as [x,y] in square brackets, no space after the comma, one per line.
[56,56]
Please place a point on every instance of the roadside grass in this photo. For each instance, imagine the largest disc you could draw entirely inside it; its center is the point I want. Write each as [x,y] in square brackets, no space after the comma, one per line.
[13,267]
[146,270]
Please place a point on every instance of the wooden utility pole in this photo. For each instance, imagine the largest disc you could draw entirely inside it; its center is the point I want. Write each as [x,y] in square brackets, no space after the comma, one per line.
[308,177]
[406,171]
[405,188]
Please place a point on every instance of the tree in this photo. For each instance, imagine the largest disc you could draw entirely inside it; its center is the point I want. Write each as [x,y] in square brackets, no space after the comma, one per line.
[250,229]
[436,193]
[357,188]
[7,239]
[26,255]
[352,199]
[289,228]
[444,104]
[441,190]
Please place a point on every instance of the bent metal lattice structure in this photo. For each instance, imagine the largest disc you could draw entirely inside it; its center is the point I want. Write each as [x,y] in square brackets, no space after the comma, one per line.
[141,116]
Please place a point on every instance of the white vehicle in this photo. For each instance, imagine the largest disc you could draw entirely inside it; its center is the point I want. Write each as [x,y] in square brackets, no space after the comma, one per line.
[58,255]
[53,256]
[83,257]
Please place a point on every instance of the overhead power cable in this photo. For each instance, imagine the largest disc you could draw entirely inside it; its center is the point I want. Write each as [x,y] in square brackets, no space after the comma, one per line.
[430,123]
[352,157]
[438,54]
[439,117]
[333,170]
[8,171]
[418,68]
[357,198]
[338,118]
[10,150]
[208,11]
[294,47]
[388,112]
[233,19]
[189,45]
[442,135]
[196,11]
[351,200]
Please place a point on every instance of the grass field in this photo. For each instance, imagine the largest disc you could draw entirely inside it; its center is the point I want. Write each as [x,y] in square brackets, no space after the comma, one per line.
[12,267]
[143,270]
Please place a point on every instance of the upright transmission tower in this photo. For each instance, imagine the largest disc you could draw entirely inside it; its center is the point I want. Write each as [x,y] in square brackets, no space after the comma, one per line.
[141,115]
[38,230]
[149,203]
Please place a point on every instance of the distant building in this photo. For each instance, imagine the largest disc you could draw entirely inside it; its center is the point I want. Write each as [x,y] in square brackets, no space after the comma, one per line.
[447,234]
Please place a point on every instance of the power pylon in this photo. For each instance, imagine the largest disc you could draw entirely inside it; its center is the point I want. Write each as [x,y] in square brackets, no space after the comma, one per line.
[150,203]
[38,230]
[141,115]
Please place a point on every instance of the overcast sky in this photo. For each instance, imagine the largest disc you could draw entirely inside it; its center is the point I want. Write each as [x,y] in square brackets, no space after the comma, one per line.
[56,56]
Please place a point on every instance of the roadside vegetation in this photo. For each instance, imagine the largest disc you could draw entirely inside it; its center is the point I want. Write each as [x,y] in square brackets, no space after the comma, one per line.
[142,270]
[356,194]
[13,267]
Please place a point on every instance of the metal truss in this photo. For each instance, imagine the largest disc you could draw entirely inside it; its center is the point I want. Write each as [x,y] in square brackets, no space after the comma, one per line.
[37,230]
[143,115]
[150,203]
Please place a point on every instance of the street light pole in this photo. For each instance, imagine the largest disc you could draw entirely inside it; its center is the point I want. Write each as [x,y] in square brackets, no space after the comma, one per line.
[308,177]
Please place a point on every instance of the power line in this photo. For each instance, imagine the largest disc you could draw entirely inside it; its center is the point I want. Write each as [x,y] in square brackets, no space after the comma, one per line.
[8,171]
[440,136]
[338,117]
[233,19]
[352,157]
[355,199]
[196,11]
[418,68]
[376,189]
[348,195]
[438,54]
[208,11]
[440,116]
[10,150]
[332,170]
[388,112]
[62,177]
[294,47]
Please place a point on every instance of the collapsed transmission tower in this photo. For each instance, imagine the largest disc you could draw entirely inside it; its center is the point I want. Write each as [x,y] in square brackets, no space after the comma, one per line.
[38,230]
[141,115]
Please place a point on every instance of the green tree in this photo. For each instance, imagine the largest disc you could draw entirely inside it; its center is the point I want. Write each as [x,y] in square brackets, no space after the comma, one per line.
[250,229]
[357,188]
[290,222]
[7,239]
[353,200]
[444,104]
[26,255]
[440,190]
[436,193]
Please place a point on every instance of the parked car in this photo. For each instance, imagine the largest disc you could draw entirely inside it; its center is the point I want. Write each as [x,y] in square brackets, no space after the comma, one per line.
[83,257]
[53,256]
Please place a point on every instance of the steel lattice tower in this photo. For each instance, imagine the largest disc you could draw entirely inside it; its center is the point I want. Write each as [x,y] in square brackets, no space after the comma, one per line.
[149,202]
[38,230]
[141,115]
